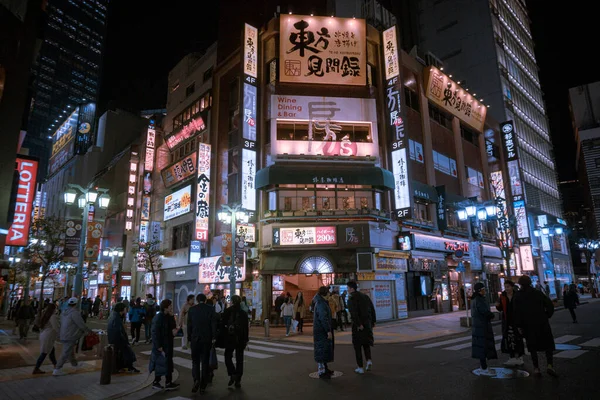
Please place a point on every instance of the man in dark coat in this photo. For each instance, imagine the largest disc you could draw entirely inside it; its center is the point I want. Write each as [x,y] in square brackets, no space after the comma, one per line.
[202,331]
[278,303]
[363,316]
[483,342]
[532,312]
[571,299]
[164,329]
[118,338]
[323,333]
[235,327]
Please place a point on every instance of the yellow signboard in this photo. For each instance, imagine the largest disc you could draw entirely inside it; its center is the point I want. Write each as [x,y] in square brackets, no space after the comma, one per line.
[448,95]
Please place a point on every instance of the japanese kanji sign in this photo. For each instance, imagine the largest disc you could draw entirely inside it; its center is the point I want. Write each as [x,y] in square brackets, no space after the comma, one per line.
[401,189]
[248,175]
[203,192]
[250,50]
[322,50]
[179,171]
[448,95]
[390,53]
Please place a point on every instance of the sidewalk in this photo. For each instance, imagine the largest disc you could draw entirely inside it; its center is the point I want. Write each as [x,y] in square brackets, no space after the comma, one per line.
[402,331]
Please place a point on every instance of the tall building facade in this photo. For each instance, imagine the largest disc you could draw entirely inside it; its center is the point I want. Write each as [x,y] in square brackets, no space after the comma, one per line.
[67,69]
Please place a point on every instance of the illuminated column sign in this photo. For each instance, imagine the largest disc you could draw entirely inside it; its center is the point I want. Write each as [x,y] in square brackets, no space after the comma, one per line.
[249,117]
[395,125]
[149,160]
[131,193]
[18,232]
[147,183]
[509,141]
[203,192]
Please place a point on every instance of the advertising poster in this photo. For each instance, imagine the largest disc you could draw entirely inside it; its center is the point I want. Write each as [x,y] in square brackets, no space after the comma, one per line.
[179,171]
[178,203]
[248,174]
[94,235]
[521,217]
[63,142]
[390,53]
[150,143]
[527,262]
[195,125]
[401,190]
[72,240]
[250,50]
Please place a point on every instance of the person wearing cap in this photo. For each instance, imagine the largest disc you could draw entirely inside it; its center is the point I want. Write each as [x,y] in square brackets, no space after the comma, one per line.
[72,328]
[483,345]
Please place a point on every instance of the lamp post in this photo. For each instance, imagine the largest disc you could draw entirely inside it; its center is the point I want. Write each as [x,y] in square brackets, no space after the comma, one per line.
[589,247]
[67,267]
[550,232]
[87,198]
[230,215]
[116,254]
[13,261]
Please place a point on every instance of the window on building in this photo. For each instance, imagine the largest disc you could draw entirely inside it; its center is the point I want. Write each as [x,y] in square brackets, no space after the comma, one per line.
[412,99]
[207,74]
[440,117]
[469,135]
[181,236]
[421,211]
[190,89]
[597,161]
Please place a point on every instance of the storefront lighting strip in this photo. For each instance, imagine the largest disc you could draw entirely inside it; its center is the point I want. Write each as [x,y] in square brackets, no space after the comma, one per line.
[516,59]
[517,19]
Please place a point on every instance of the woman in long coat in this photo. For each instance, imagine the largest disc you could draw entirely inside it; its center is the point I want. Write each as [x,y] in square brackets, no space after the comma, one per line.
[533,310]
[323,333]
[300,311]
[50,328]
[483,343]
[512,342]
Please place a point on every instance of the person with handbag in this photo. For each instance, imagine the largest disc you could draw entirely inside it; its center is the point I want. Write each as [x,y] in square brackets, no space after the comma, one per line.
[72,328]
[163,330]
[117,336]
[202,331]
[300,311]
[183,321]
[50,327]
[512,342]
[287,312]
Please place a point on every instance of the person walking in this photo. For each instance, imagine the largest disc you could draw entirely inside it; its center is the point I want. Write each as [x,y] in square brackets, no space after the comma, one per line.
[50,328]
[117,336]
[236,328]
[183,320]
[300,311]
[547,288]
[287,312]
[323,333]
[532,313]
[483,344]
[202,331]
[72,328]
[278,303]
[163,330]
[24,317]
[512,342]
[149,313]
[85,309]
[137,315]
[571,299]
[126,304]
[364,318]
[96,307]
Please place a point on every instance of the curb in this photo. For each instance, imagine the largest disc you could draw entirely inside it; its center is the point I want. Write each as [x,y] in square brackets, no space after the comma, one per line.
[146,384]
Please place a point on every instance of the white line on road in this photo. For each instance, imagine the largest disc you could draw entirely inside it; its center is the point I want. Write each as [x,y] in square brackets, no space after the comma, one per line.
[565,338]
[464,346]
[595,342]
[183,362]
[287,346]
[438,344]
[273,350]
[570,354]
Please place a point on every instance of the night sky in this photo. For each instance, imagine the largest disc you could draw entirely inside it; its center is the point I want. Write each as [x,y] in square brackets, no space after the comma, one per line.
[145,42]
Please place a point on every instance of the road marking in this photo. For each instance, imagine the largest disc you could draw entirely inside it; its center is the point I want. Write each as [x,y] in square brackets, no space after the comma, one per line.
[565,338]
[591,343]
[183,362]
[438,344]
[570,354]
[287,346]
[273,350]
[465,345]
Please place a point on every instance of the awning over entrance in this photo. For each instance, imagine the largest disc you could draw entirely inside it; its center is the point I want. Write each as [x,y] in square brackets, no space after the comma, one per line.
[277,174]
[423,191]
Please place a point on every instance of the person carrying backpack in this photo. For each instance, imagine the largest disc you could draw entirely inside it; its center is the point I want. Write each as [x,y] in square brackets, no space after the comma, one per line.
[236,333]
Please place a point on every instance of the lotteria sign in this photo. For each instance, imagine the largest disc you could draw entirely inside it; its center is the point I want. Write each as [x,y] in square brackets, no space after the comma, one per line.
[19,229]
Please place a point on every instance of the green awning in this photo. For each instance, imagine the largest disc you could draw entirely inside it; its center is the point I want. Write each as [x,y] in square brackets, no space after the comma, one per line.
[424,191]
[304,174]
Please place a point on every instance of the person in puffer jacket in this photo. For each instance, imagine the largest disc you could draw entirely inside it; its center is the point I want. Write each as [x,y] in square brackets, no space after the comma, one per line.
[137,314]
[72,328]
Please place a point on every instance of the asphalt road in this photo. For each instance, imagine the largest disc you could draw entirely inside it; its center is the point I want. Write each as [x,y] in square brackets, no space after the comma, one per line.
[441,370]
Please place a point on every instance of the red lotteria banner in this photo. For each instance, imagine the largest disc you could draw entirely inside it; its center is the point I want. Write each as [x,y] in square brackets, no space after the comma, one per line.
[19,230]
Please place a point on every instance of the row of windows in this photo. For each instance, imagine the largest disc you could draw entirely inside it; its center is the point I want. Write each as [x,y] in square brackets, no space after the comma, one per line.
[469,135]
[440,116]
[538,174]
[323,197]
[324,131]
[517,29]
[534,143]
[519,76]
[411,99]
[192,110]
[521,58]
[532,112]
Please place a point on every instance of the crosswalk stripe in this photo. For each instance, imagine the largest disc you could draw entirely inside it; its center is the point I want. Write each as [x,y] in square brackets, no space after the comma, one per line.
[287,346]
[183,362]
[438,344]
[570,353]
[273,350]
[591,343]
[565,338]
[465,345]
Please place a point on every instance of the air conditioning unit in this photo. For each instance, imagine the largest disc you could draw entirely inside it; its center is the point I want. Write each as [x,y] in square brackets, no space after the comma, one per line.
[364,262]
[252,253]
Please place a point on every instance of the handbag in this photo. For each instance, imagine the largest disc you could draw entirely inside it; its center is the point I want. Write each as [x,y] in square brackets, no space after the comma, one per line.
[294,325]
[179,332]
[213,363]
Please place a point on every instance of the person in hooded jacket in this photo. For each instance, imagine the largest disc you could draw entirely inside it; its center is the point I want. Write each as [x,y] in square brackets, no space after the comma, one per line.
[117,336]
[72,328]
[137,315]
[50,328]
[483,343]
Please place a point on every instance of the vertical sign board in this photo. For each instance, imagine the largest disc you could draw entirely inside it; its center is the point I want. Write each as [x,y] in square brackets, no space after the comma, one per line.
[18,232]
[203,192]
[85,128]
[395,125]
[527,262]
[509,141]
[442,220]
[249,117]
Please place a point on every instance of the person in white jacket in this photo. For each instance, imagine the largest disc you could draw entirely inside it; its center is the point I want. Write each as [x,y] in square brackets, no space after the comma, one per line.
[72,328]
[50,326]
[287,312]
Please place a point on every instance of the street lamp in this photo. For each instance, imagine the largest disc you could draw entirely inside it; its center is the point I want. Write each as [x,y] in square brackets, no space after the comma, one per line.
[230,215]
[589,247]
[66,267]
[551,231]
[86,199]
[116,253]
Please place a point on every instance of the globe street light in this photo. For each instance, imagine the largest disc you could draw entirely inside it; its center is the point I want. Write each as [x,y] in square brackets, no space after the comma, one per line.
[230,215]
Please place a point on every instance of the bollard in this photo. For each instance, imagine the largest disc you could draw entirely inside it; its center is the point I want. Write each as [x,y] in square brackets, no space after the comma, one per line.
[107,361]
[267,328]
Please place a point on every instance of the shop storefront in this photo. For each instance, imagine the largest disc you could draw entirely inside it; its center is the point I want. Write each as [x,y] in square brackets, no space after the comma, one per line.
[179,283]
[125,285]
[493,266]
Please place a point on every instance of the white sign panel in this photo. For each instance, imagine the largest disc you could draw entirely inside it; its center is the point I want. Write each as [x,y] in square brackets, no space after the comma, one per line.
[521,216]
[150,141]
[247,232]
[328,126]
[144,231]
[248,174]
[390,53]
[203,192]
[527,258]
[178,203]
[401,190]
[250,50]
[212,271]
[322,50]
[249,120]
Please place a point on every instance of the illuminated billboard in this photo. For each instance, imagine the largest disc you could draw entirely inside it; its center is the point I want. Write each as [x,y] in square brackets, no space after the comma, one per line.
[178,203]
[179,171]
[203,192]
[63,143]
[319,235]
[18,232]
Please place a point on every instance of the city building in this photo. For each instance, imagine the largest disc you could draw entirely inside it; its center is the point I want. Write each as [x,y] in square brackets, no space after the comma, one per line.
[67,68]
